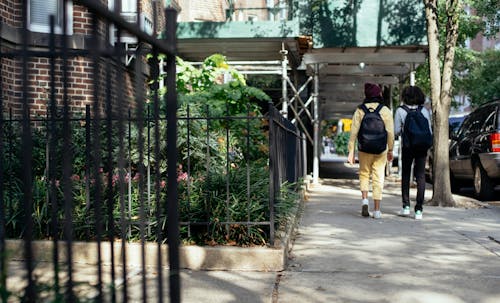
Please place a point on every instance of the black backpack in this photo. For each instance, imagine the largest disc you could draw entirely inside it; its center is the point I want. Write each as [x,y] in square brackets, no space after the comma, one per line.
[372,136]
[416,133]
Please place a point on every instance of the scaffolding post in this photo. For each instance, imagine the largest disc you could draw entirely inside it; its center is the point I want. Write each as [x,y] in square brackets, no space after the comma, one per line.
[284,76]
[316,126]
[304,156]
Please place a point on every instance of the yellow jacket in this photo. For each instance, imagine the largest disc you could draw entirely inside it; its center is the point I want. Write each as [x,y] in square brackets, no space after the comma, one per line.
[386,115]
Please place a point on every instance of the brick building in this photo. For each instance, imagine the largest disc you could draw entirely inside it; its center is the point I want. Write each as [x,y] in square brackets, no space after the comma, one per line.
[480,42]
[77,73]
[235,10]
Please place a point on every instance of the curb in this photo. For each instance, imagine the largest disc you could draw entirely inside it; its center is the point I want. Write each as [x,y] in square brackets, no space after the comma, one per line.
[227,258]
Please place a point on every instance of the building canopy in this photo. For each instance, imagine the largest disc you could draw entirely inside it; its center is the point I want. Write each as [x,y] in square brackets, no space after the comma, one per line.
[351,42]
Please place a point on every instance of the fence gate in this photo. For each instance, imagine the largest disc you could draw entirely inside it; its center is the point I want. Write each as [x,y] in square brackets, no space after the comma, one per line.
[65,173]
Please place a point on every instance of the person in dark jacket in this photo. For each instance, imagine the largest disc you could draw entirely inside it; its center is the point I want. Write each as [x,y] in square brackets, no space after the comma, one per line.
[413,97]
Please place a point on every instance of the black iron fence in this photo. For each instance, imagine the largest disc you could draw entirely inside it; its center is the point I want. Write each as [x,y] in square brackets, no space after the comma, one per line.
[160,173]
[39,175]
[231,179]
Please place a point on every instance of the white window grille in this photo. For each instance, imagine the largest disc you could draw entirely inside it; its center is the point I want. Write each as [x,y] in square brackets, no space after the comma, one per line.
[39,12]
[270,6]
[283,10]
[129,12]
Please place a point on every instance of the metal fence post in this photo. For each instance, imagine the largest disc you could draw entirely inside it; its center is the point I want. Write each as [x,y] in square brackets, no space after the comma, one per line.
[172,195]
[272,172]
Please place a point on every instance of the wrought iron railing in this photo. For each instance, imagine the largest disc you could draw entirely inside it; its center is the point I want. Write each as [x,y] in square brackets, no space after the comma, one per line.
[108,176]
[21,184]
[225,188]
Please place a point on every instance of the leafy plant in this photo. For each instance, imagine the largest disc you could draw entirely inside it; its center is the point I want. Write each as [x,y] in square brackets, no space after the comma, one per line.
[222,173]
[341,141]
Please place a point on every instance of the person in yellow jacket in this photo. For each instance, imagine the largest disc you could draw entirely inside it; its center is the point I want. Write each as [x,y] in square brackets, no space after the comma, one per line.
[372,165]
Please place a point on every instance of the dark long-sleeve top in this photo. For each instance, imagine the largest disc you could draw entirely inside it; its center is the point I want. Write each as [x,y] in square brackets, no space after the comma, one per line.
[400,116]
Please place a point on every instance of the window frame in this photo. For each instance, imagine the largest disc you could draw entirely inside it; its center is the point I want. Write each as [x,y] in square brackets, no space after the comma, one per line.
[45,28]
[490,122]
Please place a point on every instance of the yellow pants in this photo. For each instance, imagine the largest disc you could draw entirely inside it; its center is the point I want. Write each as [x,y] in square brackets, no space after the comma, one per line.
[374,166]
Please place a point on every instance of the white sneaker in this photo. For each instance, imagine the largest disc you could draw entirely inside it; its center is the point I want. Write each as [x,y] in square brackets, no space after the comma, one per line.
[377,214]
[364,208]
[404,212]
[418,215]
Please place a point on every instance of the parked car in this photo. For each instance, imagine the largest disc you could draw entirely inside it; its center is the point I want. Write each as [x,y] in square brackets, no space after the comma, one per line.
[454,121]
[475,151]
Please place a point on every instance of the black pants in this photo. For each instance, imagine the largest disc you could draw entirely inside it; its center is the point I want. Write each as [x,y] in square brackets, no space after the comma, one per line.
[408,158]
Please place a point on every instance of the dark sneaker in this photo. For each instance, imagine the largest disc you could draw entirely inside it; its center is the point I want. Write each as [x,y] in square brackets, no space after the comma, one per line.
[364,208]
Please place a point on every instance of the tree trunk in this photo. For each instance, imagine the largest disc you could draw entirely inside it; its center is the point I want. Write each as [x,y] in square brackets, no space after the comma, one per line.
[441,96]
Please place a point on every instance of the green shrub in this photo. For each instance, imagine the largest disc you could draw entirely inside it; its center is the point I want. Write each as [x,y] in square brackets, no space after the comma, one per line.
[341,141]
[221,153]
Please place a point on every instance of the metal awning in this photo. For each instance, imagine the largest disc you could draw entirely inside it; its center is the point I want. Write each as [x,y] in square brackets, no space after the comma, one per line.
[343,72]
[337,74]
[241,49]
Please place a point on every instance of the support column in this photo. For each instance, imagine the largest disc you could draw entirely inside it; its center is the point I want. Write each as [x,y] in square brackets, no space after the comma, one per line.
[400,149]
[284,76]
[388,170]
[412,75]
[316,126]
[304,156]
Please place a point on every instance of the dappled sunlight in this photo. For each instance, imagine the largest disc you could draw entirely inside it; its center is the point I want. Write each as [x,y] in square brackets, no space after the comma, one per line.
[327,228]
[426,296]
[340,256]
[386,253]
[213,286]
[342,286]
[358,256]
[228,286]
[448,258]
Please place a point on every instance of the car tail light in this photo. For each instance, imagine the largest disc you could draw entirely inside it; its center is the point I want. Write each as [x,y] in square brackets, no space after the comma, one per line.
[495,142]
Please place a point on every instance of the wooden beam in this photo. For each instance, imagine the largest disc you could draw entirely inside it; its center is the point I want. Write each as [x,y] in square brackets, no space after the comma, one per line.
[347,96]
[334,88]
[367,70]
[358,80]
[367,58]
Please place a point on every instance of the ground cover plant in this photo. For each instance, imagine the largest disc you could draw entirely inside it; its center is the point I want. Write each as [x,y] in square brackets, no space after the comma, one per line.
[223,171]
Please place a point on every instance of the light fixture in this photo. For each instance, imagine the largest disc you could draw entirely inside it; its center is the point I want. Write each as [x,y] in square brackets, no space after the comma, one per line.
[361,65]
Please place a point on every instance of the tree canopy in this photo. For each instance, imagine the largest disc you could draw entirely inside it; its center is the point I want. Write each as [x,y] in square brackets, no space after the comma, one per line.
[475,74]
[482,82]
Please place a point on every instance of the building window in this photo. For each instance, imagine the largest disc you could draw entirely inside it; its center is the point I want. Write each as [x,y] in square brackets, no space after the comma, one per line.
[127,6]
[39,12]
[128,11]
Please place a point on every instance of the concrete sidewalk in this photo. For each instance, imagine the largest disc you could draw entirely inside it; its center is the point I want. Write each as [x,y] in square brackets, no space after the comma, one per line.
[452,255]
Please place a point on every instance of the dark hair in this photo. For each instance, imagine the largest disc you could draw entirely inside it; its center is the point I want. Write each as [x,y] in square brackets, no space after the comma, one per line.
[413,95]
